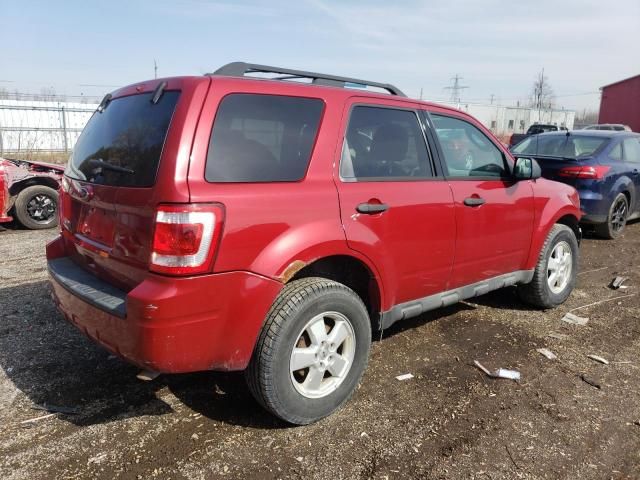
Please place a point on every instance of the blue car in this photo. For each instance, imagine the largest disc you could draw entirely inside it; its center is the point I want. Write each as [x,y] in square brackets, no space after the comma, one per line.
[604,166]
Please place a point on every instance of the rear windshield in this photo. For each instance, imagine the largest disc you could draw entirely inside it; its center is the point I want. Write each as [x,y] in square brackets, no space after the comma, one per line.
[122,145]
[262,138]
[565,146]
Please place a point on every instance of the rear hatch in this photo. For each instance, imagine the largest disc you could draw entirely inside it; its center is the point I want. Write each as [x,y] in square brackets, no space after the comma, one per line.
[125,162]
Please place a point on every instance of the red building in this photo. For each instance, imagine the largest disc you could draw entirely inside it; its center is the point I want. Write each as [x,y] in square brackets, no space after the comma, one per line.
[620,103]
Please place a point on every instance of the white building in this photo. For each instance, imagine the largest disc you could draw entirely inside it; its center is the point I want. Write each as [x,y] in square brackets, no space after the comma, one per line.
[504,121]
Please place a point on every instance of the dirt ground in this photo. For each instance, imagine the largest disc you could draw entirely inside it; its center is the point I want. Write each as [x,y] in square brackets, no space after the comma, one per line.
[449,421]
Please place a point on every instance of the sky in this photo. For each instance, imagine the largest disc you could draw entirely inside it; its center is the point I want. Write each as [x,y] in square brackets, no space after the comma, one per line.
[497,47]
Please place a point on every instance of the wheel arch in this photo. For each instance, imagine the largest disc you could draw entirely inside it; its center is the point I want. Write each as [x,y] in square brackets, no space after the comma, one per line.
[572,222]
[624,185]
[351,271]
[18,187]
[569,216]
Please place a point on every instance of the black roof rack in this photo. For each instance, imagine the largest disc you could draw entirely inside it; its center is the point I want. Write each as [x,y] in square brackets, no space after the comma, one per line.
[239,69]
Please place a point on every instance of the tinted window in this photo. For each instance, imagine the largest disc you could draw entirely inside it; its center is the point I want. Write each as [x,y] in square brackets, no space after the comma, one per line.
[567,146]
[384,143]
[467,151]
[262,138]
[632,150]
[128,135]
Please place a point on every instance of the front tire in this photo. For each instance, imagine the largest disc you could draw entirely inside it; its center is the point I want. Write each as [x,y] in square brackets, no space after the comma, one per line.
[36,207]
[312,351]
[616,218]
[555,275]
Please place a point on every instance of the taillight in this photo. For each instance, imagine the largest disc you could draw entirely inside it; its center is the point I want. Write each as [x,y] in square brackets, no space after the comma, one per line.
[185,238]
[585,172]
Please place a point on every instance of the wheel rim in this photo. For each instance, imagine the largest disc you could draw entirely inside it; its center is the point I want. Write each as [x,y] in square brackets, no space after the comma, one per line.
[619,215]
[322,355]
[559,267]
[41,208]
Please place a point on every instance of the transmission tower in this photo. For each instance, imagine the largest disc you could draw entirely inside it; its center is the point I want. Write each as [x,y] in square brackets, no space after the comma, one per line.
[456,88]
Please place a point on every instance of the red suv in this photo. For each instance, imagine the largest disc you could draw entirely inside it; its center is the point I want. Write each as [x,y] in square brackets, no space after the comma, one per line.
[226,222]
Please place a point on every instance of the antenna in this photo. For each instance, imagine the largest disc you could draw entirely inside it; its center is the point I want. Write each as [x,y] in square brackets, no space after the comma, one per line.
[456,88]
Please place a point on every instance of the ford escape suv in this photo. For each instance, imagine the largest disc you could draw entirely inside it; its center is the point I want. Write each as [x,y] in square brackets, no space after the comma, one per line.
[227,222]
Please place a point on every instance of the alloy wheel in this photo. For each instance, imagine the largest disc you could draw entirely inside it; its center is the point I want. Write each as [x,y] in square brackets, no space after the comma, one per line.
[322,355]
[559,267]
[41,208]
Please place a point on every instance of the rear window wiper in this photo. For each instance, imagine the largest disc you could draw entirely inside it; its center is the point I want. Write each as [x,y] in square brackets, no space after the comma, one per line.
[98,162]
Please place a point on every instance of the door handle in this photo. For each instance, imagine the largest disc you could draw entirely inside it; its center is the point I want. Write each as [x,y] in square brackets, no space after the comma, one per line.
[372,208]
[474,201]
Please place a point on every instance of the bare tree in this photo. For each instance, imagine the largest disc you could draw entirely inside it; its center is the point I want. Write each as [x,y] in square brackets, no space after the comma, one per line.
[47,94]
[542,94]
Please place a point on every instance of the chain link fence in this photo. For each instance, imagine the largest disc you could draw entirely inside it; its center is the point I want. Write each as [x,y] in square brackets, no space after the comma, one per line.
[37,128]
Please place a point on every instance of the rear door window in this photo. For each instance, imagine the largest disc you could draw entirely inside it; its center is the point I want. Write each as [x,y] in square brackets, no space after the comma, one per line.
[384,144]
[632,150]
[262,138]
[122,145]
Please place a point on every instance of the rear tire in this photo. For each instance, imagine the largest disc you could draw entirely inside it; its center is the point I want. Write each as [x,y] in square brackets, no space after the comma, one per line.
[616,218]
[311,316]
[555,274]
[36,207]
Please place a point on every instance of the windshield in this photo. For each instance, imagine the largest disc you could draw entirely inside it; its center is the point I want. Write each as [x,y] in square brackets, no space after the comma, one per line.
[122,145]
[565,146]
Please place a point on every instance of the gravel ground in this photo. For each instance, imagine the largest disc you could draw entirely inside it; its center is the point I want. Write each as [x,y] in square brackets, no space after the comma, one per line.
[449,421]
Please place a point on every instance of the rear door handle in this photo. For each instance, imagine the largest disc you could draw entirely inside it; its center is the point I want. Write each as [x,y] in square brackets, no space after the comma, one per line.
[372,208]
[474,201]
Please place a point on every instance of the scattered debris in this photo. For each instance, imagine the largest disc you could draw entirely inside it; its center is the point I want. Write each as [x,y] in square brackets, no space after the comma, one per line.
[547,353]
[574,319]
[594,270]
[637,422]
[364,434]
[406,376]
[597,358]
[56,409]
[558,336]
[499,373]
[602,301]
[32,420]
[147,375]
[299,459]
[590,381]
[195,436]
[617,282]
[97,459]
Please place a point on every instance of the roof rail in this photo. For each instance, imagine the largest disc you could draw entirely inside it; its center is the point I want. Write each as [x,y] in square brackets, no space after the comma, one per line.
[239,69]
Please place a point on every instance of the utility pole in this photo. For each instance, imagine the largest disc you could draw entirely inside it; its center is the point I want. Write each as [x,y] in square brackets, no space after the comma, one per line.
[456,88]
[420,93]
[491,99]
[155,68]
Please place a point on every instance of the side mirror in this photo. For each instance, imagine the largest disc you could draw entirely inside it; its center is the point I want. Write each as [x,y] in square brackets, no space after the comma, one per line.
[527,169]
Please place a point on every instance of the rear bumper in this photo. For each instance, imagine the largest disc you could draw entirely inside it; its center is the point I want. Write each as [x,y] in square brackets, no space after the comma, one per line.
[166,324]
